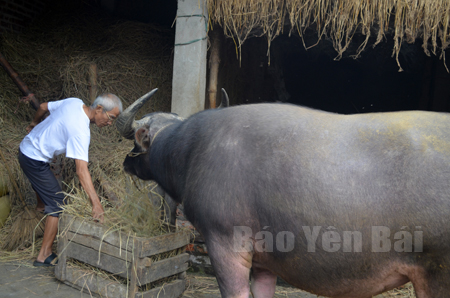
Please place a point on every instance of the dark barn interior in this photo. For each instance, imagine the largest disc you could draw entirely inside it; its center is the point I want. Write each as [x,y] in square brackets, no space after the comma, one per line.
[314,78]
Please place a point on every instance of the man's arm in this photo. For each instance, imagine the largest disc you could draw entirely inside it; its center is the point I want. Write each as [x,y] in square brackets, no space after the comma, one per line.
[86,183]
[41,111]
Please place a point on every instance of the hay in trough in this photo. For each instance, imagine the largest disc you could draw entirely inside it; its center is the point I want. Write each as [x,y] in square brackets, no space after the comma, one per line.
[338,21]
[136,215]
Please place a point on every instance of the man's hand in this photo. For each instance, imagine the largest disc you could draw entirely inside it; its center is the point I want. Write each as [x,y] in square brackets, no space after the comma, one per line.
[86,183]
[97,212]
[31,126]
[40,113]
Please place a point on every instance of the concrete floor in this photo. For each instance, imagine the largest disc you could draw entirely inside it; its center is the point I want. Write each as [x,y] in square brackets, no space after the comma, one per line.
[21,279]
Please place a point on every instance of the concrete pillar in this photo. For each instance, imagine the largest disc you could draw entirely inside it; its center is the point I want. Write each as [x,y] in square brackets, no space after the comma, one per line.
[189,65]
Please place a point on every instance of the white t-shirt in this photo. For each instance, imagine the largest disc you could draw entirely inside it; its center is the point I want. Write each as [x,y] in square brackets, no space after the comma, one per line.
[65,130]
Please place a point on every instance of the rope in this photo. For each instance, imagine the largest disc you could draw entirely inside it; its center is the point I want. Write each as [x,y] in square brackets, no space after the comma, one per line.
[135,154]
[154,137]
[195,40]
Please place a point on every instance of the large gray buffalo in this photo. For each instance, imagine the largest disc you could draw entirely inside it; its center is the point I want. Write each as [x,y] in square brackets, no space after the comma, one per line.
[338,205]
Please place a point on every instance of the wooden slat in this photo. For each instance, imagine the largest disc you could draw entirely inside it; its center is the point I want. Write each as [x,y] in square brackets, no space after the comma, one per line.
[163,268]
[83,241]
[115,238]
[60,268]
[149,246]
[90,256]
[92,283]
[168,242]
[106,248]
[133,288]
[174,289]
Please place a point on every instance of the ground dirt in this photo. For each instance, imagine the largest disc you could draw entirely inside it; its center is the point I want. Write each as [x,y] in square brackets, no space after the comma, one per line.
[21,279]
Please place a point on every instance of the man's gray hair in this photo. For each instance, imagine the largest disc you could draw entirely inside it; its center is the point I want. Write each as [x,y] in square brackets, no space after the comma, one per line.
[108,101]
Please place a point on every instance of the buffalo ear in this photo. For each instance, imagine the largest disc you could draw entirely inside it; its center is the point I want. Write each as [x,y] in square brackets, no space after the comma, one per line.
[142,137]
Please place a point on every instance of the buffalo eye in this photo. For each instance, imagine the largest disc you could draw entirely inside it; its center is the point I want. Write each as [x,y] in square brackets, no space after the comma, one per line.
[142,138]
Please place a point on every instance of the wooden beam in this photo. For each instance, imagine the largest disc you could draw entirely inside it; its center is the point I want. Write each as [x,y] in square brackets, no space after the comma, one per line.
[92,82]
[214,63]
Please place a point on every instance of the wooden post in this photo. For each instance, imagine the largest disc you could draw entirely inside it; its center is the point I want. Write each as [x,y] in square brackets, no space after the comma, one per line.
[93,82]
[20,84]
[214,62]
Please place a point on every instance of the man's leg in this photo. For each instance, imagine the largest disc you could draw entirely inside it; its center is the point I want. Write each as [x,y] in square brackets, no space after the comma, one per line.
[51,228]
[45,184]
[40,206]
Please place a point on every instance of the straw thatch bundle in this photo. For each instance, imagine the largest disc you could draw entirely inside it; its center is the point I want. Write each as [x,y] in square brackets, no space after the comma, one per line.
[338,20]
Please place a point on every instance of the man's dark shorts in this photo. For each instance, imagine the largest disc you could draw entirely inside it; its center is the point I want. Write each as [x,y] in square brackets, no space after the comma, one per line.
[44,183]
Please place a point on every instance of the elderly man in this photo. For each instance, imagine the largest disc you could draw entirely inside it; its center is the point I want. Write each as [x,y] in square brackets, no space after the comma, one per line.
[65,130]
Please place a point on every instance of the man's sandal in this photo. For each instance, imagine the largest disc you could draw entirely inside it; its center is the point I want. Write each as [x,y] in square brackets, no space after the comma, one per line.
[47,262]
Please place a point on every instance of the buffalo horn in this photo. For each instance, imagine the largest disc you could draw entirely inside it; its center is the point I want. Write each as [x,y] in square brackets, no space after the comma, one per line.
[225,101]
[125,123]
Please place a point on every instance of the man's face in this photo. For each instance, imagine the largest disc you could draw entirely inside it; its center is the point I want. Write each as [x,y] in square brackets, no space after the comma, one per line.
[105,118]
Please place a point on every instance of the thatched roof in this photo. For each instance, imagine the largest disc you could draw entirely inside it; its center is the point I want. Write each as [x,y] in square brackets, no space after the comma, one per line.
[338,20]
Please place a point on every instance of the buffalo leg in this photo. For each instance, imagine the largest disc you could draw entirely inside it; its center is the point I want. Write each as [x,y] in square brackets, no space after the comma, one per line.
[232,270]
[430,288]
[263,283]
[433,282]
[170,209]
[437,286]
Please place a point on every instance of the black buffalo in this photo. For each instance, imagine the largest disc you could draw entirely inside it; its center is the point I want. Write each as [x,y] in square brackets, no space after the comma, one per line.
[337,205]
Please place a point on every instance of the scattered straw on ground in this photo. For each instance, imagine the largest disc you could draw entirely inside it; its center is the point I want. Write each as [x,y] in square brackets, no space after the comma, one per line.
[406,291]
[198,285]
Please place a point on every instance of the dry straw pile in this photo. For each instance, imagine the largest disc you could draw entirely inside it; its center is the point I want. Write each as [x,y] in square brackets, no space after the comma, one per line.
[53,58]
[339,21]
[136,215]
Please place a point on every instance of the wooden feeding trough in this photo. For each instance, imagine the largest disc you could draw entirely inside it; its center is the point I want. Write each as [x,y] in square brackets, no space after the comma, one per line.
[122,255]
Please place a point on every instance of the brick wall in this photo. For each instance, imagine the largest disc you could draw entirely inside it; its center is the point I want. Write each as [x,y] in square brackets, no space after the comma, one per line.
[15,15]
